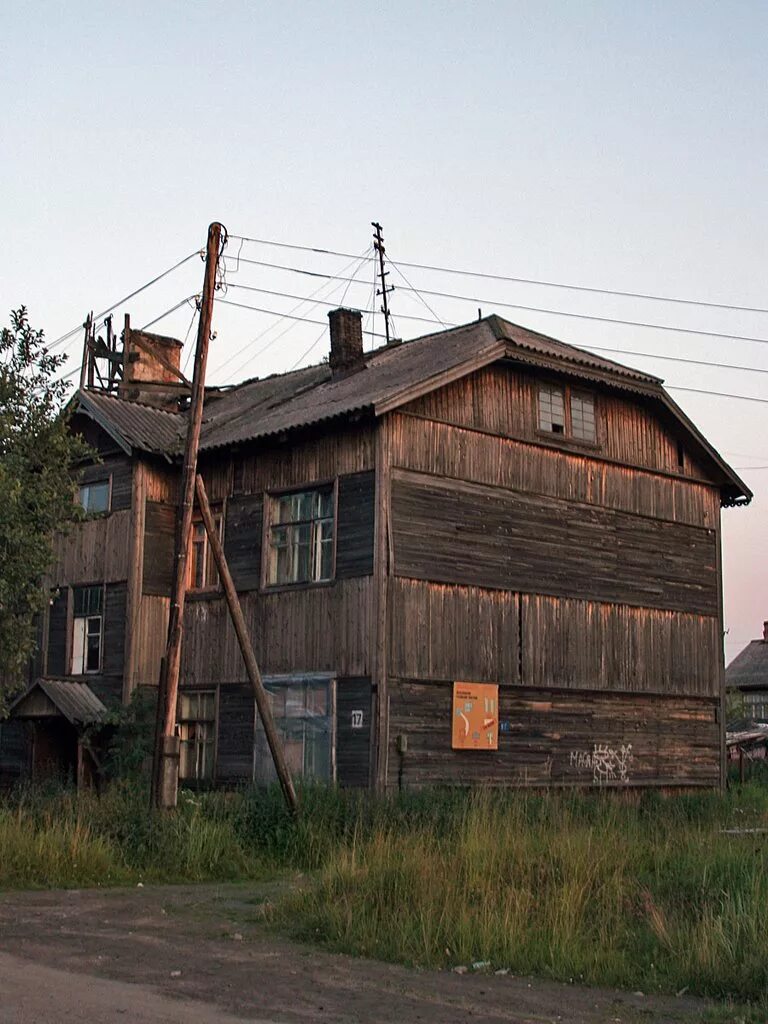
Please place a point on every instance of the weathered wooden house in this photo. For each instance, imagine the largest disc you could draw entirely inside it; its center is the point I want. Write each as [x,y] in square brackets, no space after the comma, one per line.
[483,505]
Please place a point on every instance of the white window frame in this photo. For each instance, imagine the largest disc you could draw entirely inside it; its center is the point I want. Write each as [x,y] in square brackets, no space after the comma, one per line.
[84,626]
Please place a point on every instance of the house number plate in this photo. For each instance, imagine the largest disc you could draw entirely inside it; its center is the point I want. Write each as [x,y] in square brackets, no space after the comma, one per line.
[357,719]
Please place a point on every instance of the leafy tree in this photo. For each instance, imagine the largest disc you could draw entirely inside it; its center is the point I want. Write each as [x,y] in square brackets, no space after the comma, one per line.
[37,453]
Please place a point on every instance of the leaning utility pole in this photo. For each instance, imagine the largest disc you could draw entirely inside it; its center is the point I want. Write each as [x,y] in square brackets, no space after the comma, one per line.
[165,774]
[246,649]
[378,245]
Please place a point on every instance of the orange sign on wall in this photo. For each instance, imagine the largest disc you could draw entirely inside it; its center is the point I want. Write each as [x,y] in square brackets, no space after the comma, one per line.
[475,716]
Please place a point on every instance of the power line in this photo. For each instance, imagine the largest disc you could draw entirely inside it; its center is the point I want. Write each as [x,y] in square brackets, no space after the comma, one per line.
[679,359]
[530,309]
[167,313]
[310,302]
[165,273]
[288,295]
[717,394]
[646,296]
[289,316]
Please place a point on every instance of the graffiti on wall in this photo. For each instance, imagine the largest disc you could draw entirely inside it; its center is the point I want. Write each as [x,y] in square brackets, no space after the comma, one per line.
[607,764]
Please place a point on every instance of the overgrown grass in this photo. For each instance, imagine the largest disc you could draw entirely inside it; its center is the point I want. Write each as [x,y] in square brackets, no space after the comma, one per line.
[650,894]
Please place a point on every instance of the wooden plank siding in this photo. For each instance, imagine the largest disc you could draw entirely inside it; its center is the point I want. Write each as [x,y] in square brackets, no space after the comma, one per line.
[469,454]
[279,466]
[452,531]
[579,644]
[556,738]
[93,551]
[322,628]
[502,400]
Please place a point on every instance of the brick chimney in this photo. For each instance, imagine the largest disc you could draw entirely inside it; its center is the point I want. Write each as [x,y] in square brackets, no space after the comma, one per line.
[152,364]
[346,342]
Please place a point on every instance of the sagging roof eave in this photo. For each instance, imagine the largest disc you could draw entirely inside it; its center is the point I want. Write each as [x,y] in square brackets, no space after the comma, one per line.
[84,406]
[733,489]
[270,435]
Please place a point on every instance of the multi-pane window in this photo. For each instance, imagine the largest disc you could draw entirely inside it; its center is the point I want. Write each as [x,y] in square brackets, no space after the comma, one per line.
[583,416]
[567,412]
[197,731]
[756,706]
[551,409]
[94,497]
[302,709]
[301,537]
[87,626]
[202,568]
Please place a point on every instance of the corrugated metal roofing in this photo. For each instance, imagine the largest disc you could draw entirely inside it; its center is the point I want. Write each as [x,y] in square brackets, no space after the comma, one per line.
[392,375]
[138,426]
[749,668]
[76,701]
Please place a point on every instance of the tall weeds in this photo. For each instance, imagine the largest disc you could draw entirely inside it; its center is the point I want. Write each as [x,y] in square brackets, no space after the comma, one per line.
[650,894]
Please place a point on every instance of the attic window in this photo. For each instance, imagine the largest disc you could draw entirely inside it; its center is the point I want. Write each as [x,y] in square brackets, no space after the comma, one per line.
[567,412]
[551,409]
[583,416]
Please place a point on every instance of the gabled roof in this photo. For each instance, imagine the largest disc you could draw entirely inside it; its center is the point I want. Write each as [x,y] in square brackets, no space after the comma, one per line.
[392,376]
[749,669]
[75,701]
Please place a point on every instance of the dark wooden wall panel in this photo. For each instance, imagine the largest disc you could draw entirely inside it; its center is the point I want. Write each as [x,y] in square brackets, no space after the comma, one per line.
[469,454]
[353,741]
[437,631]
[551,738]
[14,753]
[276,466]
[354,528]
[159,534]
[56,657]
[94,551]
[242,540]
[455,532]
[234,757]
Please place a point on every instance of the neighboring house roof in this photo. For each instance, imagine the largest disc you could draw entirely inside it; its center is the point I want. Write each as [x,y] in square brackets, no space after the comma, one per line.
[75,701]
[392,376]
[749,669]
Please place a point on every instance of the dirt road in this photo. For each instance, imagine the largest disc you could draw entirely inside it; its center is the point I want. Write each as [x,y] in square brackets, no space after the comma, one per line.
[203,954]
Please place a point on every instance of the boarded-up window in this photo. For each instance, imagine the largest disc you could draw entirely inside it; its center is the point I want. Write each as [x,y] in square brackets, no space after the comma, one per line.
[242,540]
[354,530]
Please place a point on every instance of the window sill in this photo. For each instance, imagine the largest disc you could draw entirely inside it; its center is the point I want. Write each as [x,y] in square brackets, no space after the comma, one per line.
[565,441]
[281,588]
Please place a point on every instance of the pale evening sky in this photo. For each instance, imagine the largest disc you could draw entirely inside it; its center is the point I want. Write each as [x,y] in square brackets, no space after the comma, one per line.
[619,145]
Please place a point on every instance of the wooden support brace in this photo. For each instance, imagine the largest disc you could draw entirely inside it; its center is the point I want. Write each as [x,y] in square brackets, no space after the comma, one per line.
[246,648]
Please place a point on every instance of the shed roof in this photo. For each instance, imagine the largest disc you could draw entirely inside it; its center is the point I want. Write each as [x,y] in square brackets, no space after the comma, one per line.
[749,669]
[392,375]
[75,701]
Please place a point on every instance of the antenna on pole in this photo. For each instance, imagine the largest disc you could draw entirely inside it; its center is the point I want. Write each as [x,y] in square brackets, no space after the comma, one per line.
[378,245]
